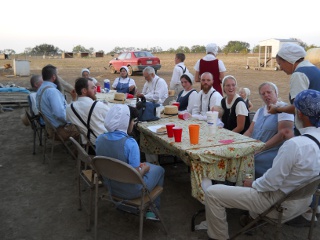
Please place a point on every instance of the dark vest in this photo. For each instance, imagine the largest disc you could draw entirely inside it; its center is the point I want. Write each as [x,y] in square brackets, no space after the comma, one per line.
[184,100]
[229,117]
[213,68]
[313,74]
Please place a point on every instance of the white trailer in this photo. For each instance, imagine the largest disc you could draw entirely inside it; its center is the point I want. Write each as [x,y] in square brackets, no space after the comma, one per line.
[268,50]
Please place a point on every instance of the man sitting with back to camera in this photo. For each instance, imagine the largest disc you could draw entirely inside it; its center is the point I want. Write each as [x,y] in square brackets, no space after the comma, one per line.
[297,161]
[35,82]
[52,104]
[87,113]
[155,89]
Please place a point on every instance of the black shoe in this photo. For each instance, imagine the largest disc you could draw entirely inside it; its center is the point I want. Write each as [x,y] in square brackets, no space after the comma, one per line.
[300,222]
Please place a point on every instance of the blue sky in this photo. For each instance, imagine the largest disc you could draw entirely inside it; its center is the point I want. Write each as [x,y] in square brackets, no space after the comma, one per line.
[104,25]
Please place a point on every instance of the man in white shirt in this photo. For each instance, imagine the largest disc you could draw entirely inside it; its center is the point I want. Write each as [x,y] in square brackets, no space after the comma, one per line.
[35,81]
[178,70]
[78,111]
[155,89]
[297,161]
[208,97]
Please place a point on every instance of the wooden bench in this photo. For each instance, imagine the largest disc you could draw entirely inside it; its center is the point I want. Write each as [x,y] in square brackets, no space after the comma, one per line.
[14,99]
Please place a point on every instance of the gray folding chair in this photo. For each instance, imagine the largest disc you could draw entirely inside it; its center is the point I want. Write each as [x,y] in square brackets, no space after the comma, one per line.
[114,169]
[55,139]
[85,175]
[305,190]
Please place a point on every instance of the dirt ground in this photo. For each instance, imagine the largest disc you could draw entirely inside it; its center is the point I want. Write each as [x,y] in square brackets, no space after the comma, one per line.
[36,204]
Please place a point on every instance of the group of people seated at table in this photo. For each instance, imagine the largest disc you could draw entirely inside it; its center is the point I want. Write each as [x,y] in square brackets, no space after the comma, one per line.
[276,165]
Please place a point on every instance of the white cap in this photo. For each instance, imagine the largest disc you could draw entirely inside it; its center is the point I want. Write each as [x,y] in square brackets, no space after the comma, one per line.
[291,52]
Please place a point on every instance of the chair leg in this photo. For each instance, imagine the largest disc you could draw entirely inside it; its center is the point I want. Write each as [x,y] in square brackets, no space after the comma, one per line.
[90,210]
[156,211]
[51,155]
[34,141]
[314,214]
[194,218]
[141,223]
[96,207]
[40,136]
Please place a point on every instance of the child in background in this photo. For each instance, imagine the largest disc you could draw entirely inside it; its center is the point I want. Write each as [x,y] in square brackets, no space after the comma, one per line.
[245,93]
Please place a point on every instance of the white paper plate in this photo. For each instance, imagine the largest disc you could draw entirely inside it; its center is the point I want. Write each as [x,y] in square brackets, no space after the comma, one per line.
[155,127]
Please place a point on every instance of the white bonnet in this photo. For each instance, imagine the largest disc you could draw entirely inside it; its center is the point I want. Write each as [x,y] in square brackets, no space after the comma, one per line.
[247,91]
[291,52]
[227,77]
[212,48]
[85,70]
[117,118]
[190,76]
[125,67]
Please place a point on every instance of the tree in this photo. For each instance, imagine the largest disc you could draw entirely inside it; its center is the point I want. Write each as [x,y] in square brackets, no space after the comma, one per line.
[236,47]
[9,51]
[183,49]
[79,49]
[27,50]
[198,49]
[45,49]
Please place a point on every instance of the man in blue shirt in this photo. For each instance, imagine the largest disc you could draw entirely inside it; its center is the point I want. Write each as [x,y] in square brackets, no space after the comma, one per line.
[52,104]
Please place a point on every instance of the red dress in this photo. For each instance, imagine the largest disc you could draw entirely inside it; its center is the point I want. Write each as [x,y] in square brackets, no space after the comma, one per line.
[213,68]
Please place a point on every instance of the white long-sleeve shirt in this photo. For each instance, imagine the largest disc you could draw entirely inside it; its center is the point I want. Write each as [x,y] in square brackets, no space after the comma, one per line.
[175,83]
[202,102]
[82,107]
[297,160]
[156,90]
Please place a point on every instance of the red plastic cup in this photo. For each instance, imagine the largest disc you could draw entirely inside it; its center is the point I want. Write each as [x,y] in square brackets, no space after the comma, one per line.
[98,89]
[180,116]
[186,116]
[177,133]
[176,104]
[169,127]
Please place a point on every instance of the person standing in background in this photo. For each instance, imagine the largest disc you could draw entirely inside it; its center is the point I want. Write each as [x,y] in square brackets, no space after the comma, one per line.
[178,70]
[210,63]
[85,73]
[304,75]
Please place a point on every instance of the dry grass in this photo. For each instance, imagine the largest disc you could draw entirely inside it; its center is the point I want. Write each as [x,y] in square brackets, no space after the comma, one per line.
[69,69]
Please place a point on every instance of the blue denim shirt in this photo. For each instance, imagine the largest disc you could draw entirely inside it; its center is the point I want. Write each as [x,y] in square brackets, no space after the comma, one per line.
[53,104]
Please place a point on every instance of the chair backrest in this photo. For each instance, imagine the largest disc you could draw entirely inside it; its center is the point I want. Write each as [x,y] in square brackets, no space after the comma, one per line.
[82,154]
[169,100]
[47,122]
[117,170]
[305,190]
[87,143]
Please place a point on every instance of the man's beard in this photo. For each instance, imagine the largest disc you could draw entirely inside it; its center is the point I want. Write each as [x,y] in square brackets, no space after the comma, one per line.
[206,88]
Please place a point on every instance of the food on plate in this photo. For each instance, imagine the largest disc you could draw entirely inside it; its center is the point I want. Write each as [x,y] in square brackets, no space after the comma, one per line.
[162,129]
[170,109]
[119,96]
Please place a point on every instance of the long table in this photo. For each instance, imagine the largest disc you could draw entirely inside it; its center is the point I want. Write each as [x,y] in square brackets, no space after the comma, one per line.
[214,157]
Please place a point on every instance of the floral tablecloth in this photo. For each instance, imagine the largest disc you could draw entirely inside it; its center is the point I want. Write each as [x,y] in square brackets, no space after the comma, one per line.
[223,156]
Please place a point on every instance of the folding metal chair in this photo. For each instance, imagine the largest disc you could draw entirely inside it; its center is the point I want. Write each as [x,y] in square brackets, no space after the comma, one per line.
[36,125]
[303,191]
[85,174]
[53,136]
[114,169]
[37,128]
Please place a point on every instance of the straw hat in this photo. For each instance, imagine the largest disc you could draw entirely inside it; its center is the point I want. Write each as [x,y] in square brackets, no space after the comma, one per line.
[25,119]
